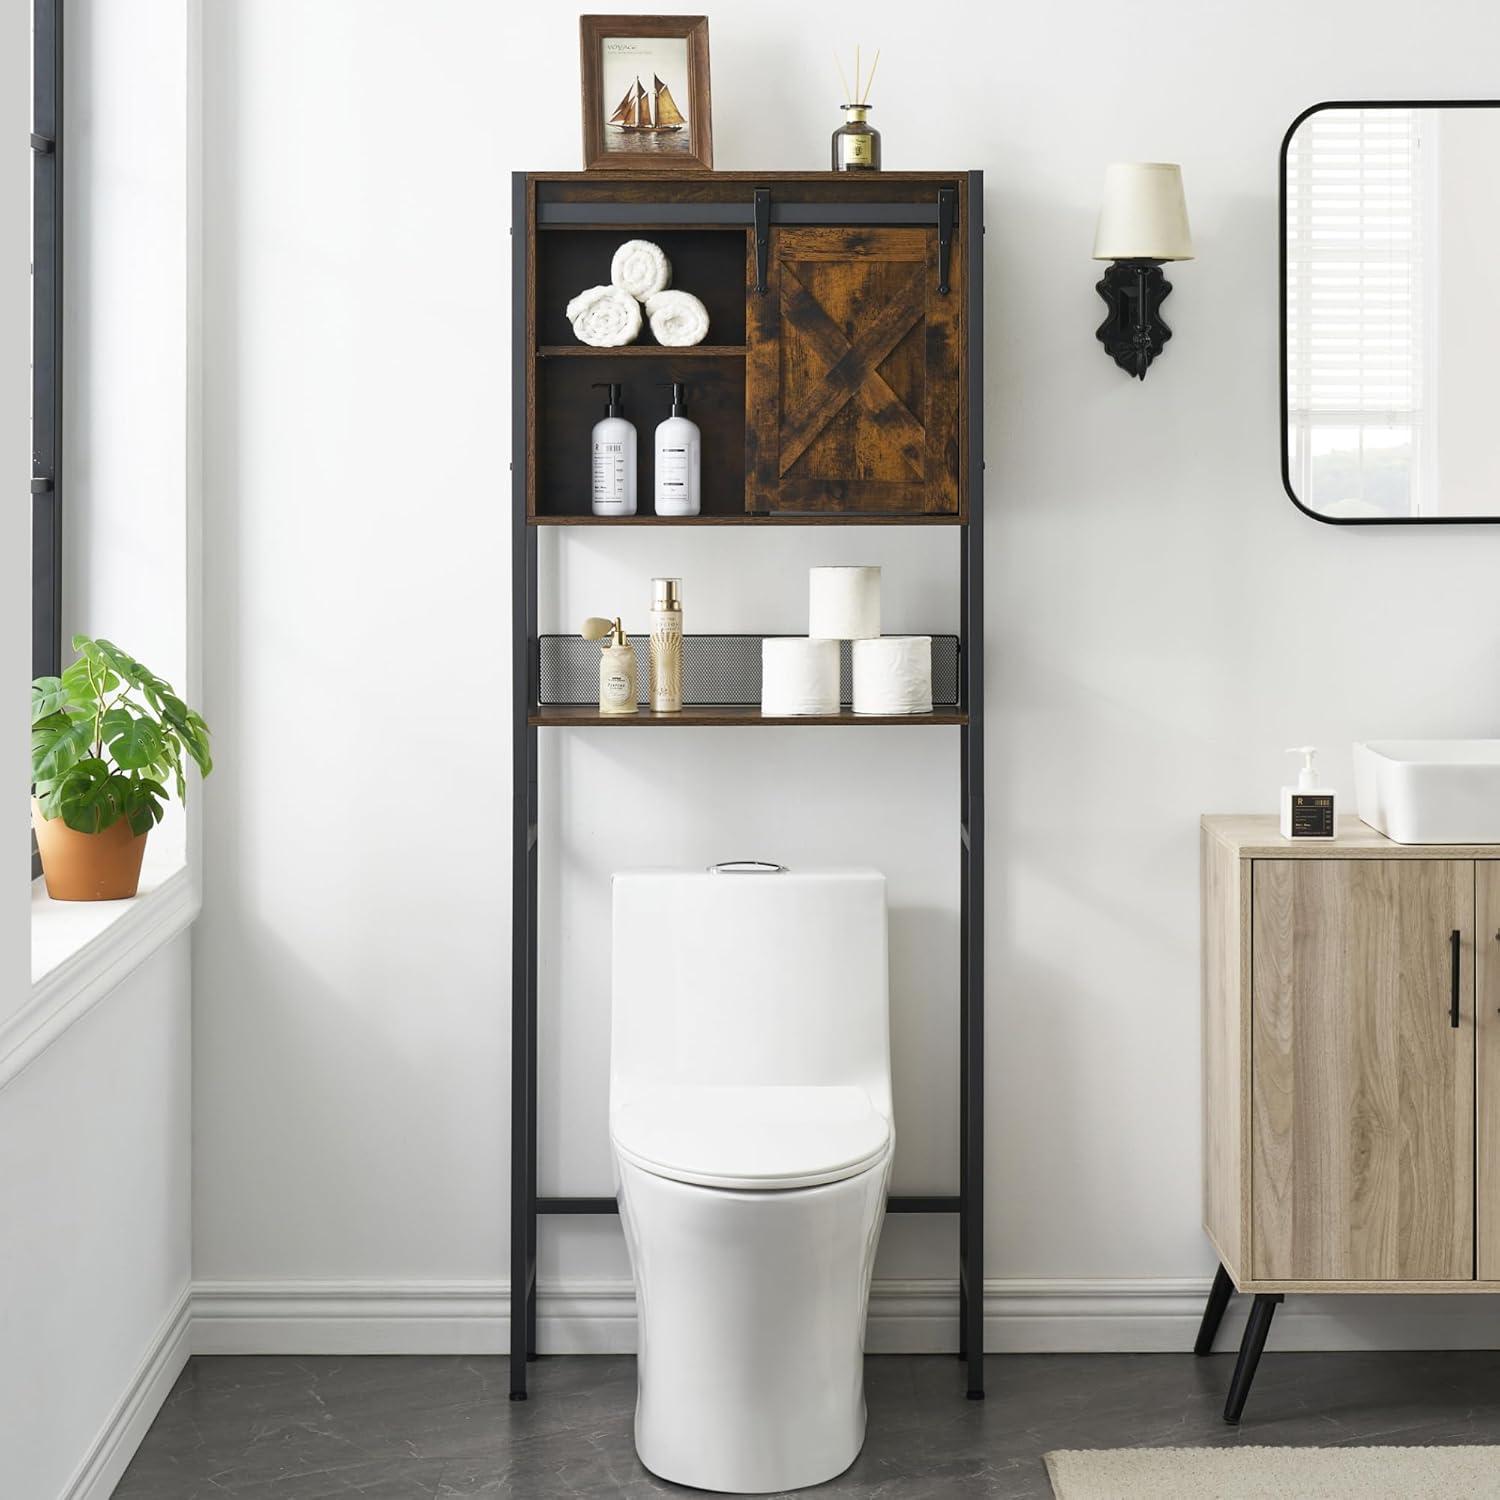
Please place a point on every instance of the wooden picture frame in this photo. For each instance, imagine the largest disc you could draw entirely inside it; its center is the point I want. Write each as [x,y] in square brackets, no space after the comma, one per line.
[659,123]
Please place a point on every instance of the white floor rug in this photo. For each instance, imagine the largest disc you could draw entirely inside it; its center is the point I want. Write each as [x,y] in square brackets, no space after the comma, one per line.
[1248,1473]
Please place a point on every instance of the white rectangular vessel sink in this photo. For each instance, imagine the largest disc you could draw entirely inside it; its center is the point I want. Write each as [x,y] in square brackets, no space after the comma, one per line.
[1430,791]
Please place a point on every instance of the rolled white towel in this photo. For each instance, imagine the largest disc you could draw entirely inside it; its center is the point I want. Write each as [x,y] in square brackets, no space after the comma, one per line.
[605,317]
[677,318]
[641,268]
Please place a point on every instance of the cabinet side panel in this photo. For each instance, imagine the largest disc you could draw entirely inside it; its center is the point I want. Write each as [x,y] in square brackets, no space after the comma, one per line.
[1487,1071]
[1223,1051]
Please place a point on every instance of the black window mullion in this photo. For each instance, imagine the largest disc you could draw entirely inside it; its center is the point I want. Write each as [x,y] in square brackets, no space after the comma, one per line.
[46,345]
[46,339]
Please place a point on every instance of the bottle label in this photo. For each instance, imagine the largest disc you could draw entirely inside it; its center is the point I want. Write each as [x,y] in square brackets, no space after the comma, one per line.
[616,687]
[672,470]
[856,149]
[609,473]
[1312,815]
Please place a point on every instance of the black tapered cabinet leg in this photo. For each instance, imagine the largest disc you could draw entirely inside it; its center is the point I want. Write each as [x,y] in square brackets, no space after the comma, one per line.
[1256,1328]
[1218,1299]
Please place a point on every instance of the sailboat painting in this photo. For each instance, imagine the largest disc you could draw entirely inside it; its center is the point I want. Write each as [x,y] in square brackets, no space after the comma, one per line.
[648,75]
[646,101]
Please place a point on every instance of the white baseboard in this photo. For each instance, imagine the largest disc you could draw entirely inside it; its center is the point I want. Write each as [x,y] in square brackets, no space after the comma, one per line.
[1021,1316]
[111,1452]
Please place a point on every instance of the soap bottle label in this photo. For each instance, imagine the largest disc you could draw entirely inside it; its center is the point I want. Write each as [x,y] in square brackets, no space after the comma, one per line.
[1312,815]
[609,473]
[672,471]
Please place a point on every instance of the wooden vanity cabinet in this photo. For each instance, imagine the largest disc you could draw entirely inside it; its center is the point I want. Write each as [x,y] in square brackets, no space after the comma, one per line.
[1351,1054]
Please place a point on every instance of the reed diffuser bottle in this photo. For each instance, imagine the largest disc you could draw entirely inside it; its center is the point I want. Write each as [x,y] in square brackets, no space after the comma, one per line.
[856,143]
[666,645]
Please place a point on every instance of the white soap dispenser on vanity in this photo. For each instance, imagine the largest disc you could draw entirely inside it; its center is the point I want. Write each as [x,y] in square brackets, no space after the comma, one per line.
[1308,811]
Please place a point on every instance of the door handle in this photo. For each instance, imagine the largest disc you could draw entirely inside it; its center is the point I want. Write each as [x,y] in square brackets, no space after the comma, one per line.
[1455,950]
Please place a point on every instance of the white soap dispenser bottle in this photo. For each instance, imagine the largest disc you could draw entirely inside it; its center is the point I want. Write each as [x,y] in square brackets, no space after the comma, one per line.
[1308,811]
[614,458]
[677,453]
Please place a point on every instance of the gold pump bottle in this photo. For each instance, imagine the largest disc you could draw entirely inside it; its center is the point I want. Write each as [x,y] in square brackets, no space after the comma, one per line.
[666,645]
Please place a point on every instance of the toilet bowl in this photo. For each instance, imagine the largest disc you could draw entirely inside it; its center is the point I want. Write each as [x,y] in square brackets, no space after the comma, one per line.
[750,1121]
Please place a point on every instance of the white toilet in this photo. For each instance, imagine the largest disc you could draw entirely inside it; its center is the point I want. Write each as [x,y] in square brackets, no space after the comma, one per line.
[750,1117]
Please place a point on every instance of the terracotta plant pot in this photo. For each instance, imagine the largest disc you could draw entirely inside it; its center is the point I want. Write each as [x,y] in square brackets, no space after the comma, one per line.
[88,866]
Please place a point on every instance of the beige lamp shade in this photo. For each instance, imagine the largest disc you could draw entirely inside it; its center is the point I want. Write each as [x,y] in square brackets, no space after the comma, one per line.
[1144,215]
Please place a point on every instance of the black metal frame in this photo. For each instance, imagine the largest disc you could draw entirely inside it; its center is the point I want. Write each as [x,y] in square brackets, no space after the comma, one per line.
[46,345]
[46,338]
[1286,464]
[968,1202]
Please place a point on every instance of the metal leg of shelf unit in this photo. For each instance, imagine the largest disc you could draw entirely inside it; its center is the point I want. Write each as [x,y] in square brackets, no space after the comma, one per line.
[1257,1327]
[1213,1314]
[523,587]
[971,940]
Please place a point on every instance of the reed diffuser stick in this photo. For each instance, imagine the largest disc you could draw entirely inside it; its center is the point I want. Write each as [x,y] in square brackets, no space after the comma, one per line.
[871,79]
[856,72]
[850,97]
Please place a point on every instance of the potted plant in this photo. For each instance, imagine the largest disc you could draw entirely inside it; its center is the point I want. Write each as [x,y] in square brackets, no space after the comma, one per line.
[106,737]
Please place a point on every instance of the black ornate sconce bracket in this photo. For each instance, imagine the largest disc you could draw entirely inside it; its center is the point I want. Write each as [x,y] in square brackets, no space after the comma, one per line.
[1133,334]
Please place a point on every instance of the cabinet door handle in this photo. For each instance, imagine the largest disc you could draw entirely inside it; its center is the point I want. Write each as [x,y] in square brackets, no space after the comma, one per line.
[1455,949]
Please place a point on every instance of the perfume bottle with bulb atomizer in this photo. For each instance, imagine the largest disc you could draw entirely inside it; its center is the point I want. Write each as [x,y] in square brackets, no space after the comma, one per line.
[617,668]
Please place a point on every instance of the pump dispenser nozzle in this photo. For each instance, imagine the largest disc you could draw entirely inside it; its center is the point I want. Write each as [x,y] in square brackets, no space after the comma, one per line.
[613,387]
[679,396]
[1307,777]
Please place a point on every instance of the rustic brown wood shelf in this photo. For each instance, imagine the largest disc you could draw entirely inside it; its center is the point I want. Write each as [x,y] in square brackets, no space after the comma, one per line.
[642,351]
[845,387]
[716,715]
[744,519]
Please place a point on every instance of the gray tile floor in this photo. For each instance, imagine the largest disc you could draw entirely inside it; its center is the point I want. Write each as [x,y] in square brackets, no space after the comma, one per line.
[400,1428]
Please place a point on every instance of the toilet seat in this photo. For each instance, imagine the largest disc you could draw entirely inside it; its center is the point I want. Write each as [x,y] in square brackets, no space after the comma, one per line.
[752,1138]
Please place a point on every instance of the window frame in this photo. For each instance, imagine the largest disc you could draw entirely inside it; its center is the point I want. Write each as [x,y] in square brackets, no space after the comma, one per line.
[46,343]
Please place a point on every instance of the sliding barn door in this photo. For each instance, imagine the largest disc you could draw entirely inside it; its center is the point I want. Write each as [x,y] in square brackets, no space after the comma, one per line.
[853,391]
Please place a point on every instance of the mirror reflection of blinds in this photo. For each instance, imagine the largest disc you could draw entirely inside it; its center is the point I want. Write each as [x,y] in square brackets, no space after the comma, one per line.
[1354,289]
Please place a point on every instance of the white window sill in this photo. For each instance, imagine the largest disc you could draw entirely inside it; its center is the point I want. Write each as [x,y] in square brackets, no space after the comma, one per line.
[80,950]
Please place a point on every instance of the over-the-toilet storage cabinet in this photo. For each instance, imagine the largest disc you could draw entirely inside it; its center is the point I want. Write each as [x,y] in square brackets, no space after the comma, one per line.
[844,386]
[1351,1045]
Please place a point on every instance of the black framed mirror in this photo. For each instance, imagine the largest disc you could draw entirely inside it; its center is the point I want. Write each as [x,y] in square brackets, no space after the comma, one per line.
[1390,224]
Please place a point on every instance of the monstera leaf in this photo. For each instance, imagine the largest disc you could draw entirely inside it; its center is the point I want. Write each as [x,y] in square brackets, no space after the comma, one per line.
[106,737]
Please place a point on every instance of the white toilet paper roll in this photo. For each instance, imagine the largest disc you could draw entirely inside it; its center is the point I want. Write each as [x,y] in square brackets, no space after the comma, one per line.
[893,675]
[799,676]
[843,604]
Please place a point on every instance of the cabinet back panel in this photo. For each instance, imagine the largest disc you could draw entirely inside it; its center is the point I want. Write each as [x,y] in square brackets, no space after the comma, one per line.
[568,407]
[709,263]
[1362,1090]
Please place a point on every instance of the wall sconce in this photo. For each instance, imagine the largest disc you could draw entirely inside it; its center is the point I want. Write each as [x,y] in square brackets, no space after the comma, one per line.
[1143,223]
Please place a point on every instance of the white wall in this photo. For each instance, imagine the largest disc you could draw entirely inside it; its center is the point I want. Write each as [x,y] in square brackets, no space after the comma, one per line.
[1161,619]
[95,1236]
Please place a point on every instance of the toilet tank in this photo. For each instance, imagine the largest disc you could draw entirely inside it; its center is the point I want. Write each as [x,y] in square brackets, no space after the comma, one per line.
[750,979]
